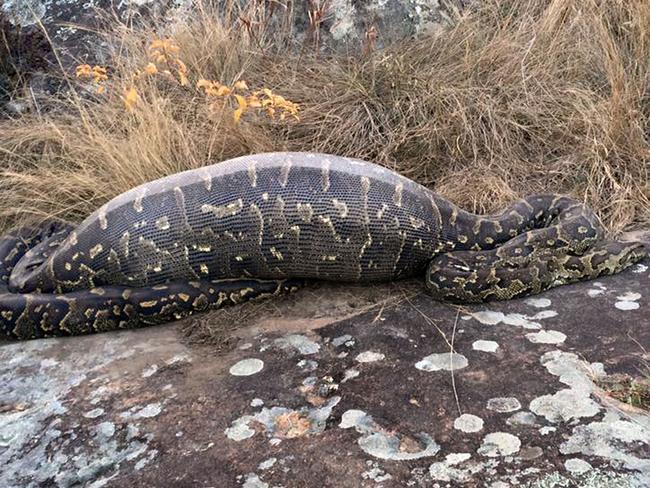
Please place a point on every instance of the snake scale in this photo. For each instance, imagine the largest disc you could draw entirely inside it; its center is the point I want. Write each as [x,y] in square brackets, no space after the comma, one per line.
[252,226]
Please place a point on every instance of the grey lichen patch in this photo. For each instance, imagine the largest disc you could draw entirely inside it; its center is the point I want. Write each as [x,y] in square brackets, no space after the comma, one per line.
[524,419]
[53,457]
[503,404]
[369,357]
[264,465]
[442,361]
[24,12]
[254,481]
[574,402]
[546,337]
[346,339]
[375,473]
[148,411]
[247,367]
[468,423]
[564,405]
[614,439]
[307,365]
[485,346]
[239,429]
[449,471]
[300,343]
[387,444]
[281,422]
[499,444]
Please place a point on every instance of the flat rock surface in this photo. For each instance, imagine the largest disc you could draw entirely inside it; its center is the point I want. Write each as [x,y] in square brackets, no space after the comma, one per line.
[409,392]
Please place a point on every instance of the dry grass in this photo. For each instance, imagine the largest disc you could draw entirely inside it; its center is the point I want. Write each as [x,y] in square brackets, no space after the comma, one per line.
[518,96]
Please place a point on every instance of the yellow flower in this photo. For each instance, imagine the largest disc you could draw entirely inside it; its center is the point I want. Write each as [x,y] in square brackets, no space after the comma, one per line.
[241,102]
[83,70]
[151,69]
[130,98]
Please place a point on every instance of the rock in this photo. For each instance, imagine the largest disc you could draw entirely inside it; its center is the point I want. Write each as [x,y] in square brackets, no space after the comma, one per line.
[81,411]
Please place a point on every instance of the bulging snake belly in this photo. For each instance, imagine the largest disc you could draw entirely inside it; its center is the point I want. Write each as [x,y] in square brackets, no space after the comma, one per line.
[257,225]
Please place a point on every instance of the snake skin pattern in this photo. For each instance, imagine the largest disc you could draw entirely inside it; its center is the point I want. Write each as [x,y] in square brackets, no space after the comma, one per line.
[257,225]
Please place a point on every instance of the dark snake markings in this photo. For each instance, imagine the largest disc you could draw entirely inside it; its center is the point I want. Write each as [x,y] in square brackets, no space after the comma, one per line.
[256,225]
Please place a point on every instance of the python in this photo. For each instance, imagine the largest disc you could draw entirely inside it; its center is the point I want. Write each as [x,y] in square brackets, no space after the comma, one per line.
[258,225]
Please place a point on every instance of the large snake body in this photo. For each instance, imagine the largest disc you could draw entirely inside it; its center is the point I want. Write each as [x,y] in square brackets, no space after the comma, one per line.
[250,226]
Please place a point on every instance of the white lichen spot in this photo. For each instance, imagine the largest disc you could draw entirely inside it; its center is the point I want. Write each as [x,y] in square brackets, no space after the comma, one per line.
[499,444]
[349,374]
[577,466]
[640,268]
[239,429]
[442,361]
[546,337]
[307,365]
[247,367]
[594,292]
[485,346]
[627,305]
[351,418]
[148,411]
[538,302]
[520,320]
[369,357]
[629,296]
[468,423]
[503,404]
[264,465]
[546,430]
[94,413]
[488,317]
[151,370]
[457,457]
[254,481]
[257,402]
[526,419]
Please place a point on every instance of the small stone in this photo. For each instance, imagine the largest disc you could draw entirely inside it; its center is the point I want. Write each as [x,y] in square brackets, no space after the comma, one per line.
[247,367]
[257,402]
[468,423]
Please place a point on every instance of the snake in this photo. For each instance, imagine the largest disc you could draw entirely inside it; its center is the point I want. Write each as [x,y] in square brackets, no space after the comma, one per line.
[264,224]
